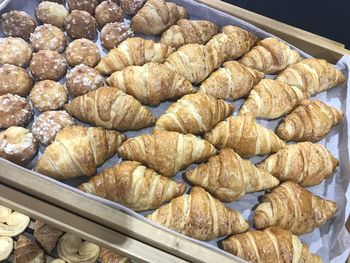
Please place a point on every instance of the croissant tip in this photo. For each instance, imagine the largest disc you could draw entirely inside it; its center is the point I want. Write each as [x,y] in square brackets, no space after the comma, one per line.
[261,220]
[285,131]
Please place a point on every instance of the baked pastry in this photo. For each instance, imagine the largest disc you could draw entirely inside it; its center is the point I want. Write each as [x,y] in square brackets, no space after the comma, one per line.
[131,7]
[48,124]
[82,79]
[15,80]
[77,151]
[194,113]
[80,24]
[166,152]
[188,32]
[228,177]
[48,64]
[304,163]
[272,99]
[12,223]
[46,236]
[48,12]
[292,207]
[15,51]
[151,83]
[48,95]
[270,56]
[6,248]
[108,12]
[85,5]
[18,145]
[134,185]
[111,257]
[48,37]
[17,24]
[27,252]
[133,51]
[156,16]
[200,216]
[113,34]
[312,75]
[270,245]
[61,2]
[244,135]
[232,81]
[82,51]
[311,121]
[111,108]
[14,111]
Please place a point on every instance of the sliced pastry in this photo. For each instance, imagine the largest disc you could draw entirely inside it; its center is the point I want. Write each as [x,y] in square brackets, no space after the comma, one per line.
[27,252]
[46,236]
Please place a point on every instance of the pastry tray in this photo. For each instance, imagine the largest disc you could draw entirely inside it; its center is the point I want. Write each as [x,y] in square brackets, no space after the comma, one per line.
[331,241]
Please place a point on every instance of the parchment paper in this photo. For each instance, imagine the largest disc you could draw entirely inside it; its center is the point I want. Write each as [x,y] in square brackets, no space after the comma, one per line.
[331,241]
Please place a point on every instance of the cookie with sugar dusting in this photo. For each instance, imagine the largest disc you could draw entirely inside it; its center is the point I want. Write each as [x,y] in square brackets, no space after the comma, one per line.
[14,111]
[48,37]
[17,24]
[113,34]
[82,51]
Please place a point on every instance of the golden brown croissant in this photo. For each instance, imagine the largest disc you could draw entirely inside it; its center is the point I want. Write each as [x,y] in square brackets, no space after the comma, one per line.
[156,16]
[304,163]
[134,185]
[272,99]
[152,83]
[110,108]
[166,152]
[270,245]
[46,236]
[244,135]
[133,51]
[228,177]
[189,31]
[312,75]
[292,207]
[111,257]
[27,252]
[200,216]
[270,56]
[232,81]
[310,121]
[194,113]
[77,151]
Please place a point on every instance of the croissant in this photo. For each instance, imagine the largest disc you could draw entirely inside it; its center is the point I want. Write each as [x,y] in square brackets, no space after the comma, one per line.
[27,252]
[46,236]
[292,207]
[232,81]
[311,121]
[270,245]
[77,151]
[272,99]
[304,163]
[111,257]
[228,177]
[111,108]
[133,51]
[244,135]
[270,56]
[189,31]
[200,216]
[194,113]
[166,152]
[156,16]
[134,186]
[312,75]
[152,83]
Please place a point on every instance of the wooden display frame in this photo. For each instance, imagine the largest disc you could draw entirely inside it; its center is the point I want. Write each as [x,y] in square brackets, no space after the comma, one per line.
[22,190]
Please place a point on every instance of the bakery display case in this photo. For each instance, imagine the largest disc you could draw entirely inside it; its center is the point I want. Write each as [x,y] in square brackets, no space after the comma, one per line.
[140,129]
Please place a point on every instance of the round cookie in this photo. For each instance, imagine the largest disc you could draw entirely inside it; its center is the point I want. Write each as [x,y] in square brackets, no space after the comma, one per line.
[14,111]
[18,24]
[48,37]
[48,64]
[48,95]
[131,7]
[15,80]
[18,145]
[15,51]
[84,5]
[82,51]
[113,34]
[80,24]
[51,13]
[108,12]
[48,124]
[82,79]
